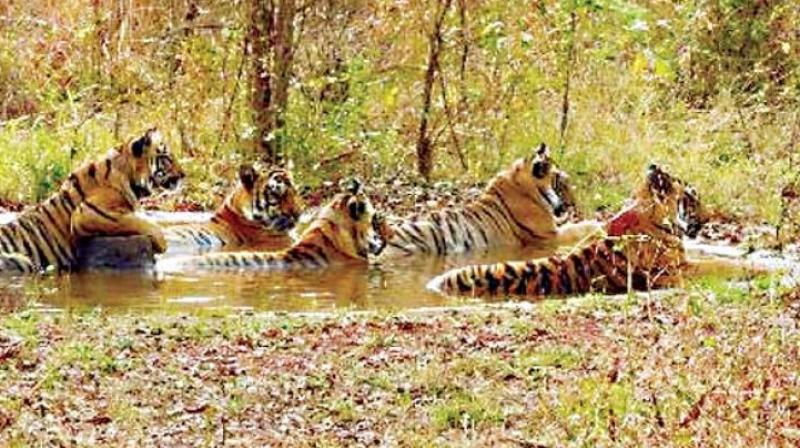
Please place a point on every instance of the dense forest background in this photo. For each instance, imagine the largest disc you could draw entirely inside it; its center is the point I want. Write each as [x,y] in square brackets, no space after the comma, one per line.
[425,89]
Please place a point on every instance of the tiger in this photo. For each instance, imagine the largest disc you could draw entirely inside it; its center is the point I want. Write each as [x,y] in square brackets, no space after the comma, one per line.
[98,198]
[643,249]
[346,230]
[521,206]
[257,215]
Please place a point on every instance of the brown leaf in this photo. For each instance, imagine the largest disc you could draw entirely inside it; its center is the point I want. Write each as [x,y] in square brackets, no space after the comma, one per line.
[790,192]
[9,348]
[99,420]
[694,413]
[197,409]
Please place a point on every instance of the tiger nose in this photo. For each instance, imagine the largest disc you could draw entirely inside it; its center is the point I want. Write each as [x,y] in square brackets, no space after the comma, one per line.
[559,209]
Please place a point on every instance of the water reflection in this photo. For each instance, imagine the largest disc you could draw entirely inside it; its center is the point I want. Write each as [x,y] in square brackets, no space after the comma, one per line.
[395,284]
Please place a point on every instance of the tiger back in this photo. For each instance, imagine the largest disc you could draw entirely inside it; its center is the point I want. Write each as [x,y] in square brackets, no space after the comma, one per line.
[347,230]
[257,215]
[521,206]
[643,249]
[98,198]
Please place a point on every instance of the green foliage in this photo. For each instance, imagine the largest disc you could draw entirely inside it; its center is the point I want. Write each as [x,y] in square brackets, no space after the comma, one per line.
[707,86]
[747,47]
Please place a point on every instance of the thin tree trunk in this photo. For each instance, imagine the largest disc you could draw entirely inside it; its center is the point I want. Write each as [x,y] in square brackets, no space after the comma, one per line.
[180,104]
[261,30]
[462,103]
[424,147]
[284,54]
[573,21]
[451,125]
[272,38]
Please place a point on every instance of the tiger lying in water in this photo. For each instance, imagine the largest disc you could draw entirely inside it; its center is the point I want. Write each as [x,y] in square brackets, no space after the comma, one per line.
[643,250]
[99,198]
[347,230]
[521,206]
[257,215]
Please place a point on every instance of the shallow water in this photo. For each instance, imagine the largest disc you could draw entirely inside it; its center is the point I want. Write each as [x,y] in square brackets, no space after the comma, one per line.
[393,284]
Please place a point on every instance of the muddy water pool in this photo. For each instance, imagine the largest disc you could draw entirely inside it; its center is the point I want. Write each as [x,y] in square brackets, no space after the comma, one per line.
[396,284]
[391,285]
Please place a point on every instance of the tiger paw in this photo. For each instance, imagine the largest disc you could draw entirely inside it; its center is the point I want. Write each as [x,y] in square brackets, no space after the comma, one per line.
[159,243]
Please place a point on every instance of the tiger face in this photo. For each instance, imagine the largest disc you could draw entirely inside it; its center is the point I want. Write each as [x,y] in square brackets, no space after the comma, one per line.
[360,231]
[153,164]
[168,173]
[691,214]
[267,197]
[538,177]
[671,204]
[278,203]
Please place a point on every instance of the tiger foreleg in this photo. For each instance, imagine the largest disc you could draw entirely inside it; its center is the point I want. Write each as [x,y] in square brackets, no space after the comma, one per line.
[579,233]
[89,220]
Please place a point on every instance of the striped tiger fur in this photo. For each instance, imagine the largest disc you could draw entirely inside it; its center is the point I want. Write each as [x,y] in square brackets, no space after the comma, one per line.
[99,198]
[643,249]
[521,206]
[257,215]
[347,230]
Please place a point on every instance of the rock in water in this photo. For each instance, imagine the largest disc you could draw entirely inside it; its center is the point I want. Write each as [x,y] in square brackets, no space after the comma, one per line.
[115,252]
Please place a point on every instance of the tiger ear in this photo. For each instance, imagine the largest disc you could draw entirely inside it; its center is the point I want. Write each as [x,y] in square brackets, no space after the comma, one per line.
[541,164]
[543,151]
[357,209]
[659,180]
[351,185]
[248,176]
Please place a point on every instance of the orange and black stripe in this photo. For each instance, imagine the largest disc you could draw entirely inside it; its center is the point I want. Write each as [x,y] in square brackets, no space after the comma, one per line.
[601,266]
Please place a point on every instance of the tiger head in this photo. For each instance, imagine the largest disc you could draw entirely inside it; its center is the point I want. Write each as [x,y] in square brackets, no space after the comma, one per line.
[543,182]
[153,165]
[278,203]
[691,213]
[359,231]
[666,203]
[267,197]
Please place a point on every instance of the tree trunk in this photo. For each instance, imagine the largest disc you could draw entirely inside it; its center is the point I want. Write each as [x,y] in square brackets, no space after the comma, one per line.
[272,38]
[570,60]
[424,146]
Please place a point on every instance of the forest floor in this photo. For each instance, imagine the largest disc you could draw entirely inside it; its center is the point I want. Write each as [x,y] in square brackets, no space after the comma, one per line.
[709,365]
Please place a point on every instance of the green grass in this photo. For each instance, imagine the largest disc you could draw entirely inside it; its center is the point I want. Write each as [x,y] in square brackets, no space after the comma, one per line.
[465,411]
